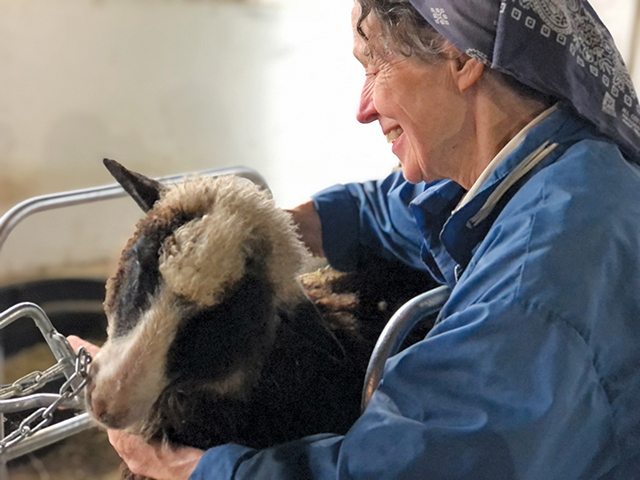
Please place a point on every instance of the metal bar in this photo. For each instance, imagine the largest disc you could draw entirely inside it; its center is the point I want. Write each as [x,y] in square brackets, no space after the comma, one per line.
[63,353]
[76,197]
[396,331]
[47,436]
[632,57]
[57,342]
[4,472]
[36,401]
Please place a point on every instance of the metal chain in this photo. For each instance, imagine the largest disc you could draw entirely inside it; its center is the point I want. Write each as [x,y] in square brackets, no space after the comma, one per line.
[32,381]
[44,415]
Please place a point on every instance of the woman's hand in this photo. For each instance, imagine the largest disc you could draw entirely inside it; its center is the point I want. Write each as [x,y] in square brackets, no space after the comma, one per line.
[309,228]
[160,462]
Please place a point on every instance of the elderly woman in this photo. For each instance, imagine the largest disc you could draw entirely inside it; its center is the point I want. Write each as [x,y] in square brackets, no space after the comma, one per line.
[517,128]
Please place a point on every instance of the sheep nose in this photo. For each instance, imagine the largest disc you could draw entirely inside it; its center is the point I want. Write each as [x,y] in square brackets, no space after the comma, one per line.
[97,407]
[109,420]
[98,401]
[100,411]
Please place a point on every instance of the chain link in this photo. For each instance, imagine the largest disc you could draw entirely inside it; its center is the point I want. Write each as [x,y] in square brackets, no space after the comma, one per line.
[43,416]
[32,382]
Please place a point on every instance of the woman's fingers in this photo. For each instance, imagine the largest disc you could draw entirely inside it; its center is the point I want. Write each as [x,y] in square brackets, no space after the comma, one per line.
[158,461]
[77,342]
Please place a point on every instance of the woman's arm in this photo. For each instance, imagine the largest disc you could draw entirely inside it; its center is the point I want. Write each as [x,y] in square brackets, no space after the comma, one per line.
[371,219]
[308,225]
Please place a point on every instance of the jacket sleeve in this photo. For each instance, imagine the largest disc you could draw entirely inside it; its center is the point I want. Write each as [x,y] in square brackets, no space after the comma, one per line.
[497,390]
[360,220]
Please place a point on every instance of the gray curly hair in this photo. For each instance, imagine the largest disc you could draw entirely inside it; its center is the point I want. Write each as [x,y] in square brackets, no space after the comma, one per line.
[406,32]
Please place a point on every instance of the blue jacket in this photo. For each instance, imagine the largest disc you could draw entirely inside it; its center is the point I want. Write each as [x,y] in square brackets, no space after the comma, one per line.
[533,368]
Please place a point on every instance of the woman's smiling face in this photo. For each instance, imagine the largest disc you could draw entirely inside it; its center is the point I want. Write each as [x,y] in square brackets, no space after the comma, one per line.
[417,105]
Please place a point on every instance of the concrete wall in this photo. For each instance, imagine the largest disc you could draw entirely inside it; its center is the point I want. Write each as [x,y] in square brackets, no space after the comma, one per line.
[168,86]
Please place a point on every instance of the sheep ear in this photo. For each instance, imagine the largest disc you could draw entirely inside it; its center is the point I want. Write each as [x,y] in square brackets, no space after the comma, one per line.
[144,190]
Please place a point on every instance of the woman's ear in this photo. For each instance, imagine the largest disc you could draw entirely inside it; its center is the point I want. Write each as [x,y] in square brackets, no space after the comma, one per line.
[467,71]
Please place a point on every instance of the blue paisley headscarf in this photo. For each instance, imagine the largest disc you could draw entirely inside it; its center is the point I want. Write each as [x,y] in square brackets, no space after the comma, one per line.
[558,47]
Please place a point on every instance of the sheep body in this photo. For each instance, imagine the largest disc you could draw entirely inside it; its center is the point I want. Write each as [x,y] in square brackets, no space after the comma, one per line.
[212,338]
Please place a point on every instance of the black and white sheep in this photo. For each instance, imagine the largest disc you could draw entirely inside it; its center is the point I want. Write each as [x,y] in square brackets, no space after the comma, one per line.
[211,336]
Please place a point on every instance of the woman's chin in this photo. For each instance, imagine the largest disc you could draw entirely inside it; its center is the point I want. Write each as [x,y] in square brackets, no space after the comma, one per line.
[410,170]
[410,173]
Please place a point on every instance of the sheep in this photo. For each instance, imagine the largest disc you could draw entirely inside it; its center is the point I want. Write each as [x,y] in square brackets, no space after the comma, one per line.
[212,337]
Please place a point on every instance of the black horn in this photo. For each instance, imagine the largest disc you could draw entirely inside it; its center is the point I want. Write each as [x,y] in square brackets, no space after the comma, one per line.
[144,190]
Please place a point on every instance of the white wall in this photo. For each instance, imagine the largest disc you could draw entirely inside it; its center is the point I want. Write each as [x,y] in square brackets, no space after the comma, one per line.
[166,87]
[634,53]
[619,17]
[173,86]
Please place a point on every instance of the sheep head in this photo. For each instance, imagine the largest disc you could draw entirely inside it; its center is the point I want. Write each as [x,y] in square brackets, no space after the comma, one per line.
[195,296]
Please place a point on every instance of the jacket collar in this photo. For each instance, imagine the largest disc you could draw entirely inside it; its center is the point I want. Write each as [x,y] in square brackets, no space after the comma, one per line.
[451,235]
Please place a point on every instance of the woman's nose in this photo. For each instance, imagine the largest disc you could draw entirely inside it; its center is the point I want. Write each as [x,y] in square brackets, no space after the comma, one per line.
[367,112]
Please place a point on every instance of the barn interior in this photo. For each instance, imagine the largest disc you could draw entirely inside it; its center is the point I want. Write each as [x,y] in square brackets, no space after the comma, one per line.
[166,87]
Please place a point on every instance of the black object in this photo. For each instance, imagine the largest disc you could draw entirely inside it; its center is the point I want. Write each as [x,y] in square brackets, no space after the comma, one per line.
[73,305]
